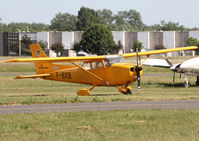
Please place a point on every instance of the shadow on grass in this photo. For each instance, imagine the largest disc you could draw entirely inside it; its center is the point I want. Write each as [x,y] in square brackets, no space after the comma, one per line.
[104,94]
[36,95]
[178,85]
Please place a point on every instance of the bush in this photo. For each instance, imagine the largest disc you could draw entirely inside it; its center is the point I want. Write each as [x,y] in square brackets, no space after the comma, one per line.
[58,48]
[77,47]
[118,46]
[159,47]
[193,42]
[137,44]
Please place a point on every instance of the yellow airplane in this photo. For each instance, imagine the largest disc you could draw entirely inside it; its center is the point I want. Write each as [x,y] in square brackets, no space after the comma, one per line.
[108,70]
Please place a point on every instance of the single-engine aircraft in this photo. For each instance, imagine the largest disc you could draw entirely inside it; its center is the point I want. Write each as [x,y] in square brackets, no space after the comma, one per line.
[107,70]
[188,67]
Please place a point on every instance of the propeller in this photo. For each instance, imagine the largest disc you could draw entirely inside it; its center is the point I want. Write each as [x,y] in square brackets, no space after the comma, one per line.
[171,65]
[138,69]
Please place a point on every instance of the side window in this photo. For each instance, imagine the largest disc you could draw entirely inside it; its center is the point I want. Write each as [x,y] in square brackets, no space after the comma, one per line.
[106,63]
[96,65]
[86,66]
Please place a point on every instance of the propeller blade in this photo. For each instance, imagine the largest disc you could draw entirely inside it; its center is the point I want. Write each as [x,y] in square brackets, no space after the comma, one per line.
[169,62]
[138,69]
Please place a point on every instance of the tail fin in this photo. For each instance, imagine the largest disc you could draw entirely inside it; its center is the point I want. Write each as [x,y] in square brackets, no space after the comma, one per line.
[41,67]
[37,51]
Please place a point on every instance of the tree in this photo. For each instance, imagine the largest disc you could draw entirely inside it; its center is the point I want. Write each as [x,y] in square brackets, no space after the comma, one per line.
[132,17]
[44,46]
[58,48]
[137,45]
[106,15]
[170,26]
[64,22]
[38,27]
[77,47]
[159,47]
[193,42]
[97,39]
[118,46]
[87,17]
[25,42]
[129,20]
[1,26]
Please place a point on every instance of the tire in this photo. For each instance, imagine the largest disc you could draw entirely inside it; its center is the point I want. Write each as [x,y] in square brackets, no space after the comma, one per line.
[186,84]
[129,92]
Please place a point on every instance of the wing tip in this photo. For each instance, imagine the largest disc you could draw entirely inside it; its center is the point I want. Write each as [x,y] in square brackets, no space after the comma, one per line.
[7,61]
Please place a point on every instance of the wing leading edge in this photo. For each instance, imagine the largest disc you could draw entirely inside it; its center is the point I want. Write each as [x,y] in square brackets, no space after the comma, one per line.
[148,53]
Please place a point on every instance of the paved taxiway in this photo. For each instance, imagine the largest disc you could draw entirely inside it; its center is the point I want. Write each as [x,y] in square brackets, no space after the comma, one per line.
[101,106]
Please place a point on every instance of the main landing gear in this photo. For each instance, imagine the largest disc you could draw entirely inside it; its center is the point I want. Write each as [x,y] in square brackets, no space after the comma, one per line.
[186,82]
[125,89]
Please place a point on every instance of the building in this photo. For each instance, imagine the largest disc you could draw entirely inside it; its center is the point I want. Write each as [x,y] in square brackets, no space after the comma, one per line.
[10,42]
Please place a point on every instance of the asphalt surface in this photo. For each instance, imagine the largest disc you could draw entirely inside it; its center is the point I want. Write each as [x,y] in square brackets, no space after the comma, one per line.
[101,106]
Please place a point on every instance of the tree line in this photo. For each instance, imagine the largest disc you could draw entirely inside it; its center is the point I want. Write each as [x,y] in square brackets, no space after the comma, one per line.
[130,20]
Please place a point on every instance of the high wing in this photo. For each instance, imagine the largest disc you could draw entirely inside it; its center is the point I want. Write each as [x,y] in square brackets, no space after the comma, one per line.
[98,58]
[148,53]
[59,59]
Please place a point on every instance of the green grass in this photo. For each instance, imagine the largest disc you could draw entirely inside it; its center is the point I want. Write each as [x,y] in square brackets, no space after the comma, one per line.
[41,91]
[15,67]
[131,125]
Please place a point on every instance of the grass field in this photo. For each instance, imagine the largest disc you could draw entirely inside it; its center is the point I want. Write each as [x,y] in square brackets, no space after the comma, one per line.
[126,125]
[30,91]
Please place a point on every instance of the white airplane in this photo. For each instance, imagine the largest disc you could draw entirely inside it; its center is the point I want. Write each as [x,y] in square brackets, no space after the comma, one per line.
[188,67]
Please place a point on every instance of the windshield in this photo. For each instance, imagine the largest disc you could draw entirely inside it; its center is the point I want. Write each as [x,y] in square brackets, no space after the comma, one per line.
[113,60]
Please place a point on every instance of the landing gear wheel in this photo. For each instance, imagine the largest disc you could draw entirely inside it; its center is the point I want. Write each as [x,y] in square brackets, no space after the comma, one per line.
[186,84]
[197,81]
[129,91]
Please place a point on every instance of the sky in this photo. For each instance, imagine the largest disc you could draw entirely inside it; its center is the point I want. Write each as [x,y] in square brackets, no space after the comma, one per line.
[152,11]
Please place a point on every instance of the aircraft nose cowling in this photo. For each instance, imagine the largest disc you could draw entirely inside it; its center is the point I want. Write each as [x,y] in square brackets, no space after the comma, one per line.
[190,66]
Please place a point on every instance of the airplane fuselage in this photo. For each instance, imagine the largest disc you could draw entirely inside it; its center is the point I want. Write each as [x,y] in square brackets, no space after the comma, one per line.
[115,75]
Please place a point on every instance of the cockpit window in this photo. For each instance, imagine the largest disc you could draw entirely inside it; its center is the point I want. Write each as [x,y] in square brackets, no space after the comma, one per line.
[96,65]
[113,59]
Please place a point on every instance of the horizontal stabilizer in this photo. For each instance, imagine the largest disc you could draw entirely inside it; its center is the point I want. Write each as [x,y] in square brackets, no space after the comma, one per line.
[32,76]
